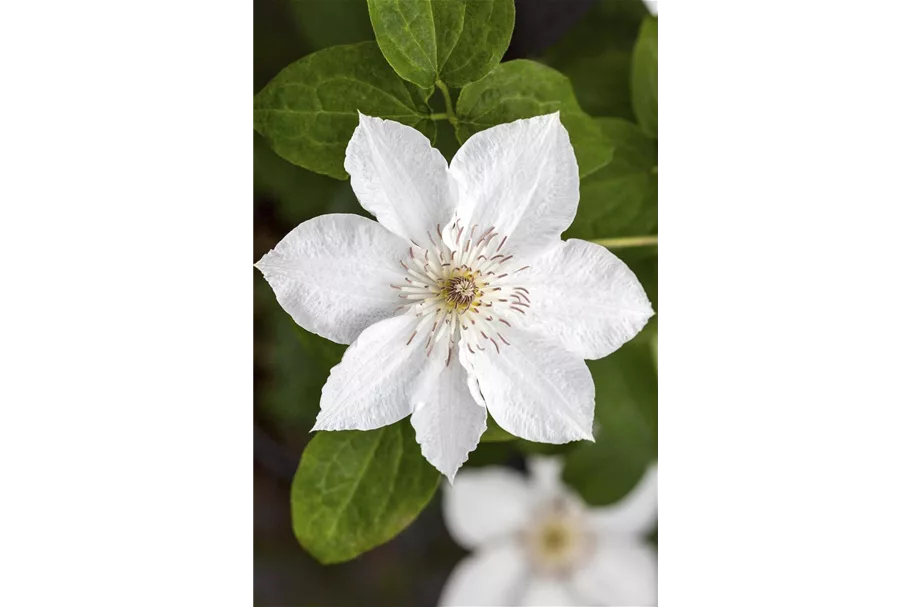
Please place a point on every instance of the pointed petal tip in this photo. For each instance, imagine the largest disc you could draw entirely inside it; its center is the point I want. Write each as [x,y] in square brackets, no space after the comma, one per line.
[259,265]
[363,118]
[322,425]
[449,474]
[545,119]
[580,434]
[364,121]
[585,435]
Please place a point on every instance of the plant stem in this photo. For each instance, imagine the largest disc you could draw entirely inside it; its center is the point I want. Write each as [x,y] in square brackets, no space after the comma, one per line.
[439,116]
[630,241]
[450,113]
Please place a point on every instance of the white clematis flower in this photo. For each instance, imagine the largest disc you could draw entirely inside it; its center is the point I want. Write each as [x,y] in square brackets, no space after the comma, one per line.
[461,299]
[652,6]
[534,542]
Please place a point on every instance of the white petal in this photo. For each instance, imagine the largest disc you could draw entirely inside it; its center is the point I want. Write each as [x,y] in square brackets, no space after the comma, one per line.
[535,389]
[545,470]
[400,178]
[545,473]
[619,573]
[586,297]
[332,274]
[473,386]
[522,179]
[374,384]
[447,421]
[485,505]
[634,515]
[493,576]
[548,592]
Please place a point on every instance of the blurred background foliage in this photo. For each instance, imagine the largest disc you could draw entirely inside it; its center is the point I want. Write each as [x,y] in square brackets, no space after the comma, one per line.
[590,41]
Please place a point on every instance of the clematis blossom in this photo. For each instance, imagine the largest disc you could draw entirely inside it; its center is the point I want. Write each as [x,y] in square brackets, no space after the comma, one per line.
[461,299]
[534,542]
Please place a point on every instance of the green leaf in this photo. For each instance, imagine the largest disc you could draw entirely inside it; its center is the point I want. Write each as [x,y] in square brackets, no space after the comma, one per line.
[644,77]
[494,433]
[522,89]
[620,199]
[309,110]
[296,194]
[596,55]
[626,442]
[456,41]
[356,490]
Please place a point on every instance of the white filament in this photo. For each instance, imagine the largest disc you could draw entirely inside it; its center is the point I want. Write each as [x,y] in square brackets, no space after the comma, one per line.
[467,293]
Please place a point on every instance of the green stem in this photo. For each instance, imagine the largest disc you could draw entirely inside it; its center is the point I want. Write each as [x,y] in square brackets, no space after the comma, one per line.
[450,113]
[630,241]
[439,116]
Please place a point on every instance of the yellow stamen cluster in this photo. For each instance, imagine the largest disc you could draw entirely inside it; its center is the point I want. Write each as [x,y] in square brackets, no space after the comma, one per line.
[461,290]
[558,542]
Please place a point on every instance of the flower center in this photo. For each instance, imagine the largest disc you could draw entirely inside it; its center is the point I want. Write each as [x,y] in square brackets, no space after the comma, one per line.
[558,541]
[468,291]
[460,289]
[555,538]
